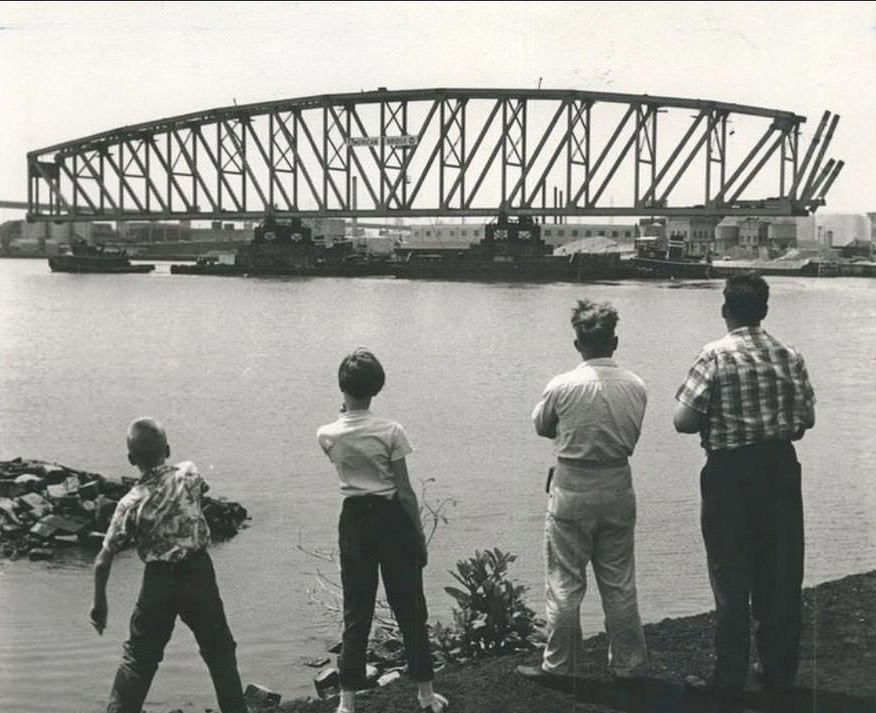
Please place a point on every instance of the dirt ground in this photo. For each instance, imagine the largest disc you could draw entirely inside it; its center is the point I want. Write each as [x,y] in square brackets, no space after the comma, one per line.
[837,656]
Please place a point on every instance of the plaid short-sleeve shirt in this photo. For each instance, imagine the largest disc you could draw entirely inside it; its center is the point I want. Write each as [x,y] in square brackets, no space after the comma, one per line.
[751,388]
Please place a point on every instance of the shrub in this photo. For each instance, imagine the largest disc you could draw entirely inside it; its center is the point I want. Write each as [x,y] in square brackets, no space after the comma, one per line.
[492,618]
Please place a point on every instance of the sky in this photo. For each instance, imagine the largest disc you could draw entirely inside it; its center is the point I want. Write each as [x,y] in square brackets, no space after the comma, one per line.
[72,69]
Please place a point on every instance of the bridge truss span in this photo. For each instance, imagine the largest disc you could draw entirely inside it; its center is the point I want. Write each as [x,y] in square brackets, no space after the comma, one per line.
[442,152]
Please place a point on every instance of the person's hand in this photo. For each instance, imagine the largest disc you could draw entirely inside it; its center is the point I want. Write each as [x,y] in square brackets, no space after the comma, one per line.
[343,408]
[97,616]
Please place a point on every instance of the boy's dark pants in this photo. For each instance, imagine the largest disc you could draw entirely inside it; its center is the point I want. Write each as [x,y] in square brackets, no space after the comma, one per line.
[187,589]
[376,532]
[752,521]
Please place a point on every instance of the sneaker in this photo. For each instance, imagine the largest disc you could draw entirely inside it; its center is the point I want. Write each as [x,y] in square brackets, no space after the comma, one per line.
[539,675]
[438,704]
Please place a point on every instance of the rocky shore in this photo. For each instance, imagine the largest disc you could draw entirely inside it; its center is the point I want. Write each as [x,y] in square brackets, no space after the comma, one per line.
[46,506]
[837,668]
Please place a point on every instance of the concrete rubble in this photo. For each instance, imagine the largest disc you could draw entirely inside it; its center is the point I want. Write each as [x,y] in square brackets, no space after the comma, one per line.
[45,506]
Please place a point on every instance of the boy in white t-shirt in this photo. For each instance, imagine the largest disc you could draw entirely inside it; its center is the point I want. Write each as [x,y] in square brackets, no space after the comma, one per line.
[379,527]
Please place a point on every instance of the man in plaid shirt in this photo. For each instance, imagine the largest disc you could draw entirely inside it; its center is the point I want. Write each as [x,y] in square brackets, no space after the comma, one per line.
[748,396]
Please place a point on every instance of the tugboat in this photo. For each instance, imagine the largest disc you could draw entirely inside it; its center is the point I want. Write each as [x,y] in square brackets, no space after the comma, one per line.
[82,257]
[657,256]
[510,250]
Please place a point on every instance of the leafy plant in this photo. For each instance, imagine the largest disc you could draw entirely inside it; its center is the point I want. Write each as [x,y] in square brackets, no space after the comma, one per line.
[492,617]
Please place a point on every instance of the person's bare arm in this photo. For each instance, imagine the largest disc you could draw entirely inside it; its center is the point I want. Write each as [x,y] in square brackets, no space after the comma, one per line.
[686,419]
[99,610]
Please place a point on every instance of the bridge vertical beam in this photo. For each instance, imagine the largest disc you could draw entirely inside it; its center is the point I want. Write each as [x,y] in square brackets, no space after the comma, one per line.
[458,183]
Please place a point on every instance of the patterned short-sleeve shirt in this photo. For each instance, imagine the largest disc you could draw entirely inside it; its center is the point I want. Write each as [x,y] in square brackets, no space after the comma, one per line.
[751,388]
[161,515]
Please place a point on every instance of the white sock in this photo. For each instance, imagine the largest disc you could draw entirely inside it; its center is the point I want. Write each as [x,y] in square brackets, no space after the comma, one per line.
[348,702]
[428,699]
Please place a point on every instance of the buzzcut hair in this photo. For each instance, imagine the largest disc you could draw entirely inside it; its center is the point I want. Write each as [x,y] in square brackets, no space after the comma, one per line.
[360,374]
[147,441]
[746,296]
[594,323]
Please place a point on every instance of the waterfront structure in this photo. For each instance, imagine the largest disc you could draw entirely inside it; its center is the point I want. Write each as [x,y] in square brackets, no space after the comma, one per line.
[457,235]
[697,234]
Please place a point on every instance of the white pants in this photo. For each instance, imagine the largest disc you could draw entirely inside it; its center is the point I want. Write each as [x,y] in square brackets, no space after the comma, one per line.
[593,523]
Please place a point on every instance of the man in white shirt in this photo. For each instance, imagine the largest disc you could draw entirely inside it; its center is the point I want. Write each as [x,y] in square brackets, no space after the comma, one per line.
[594,415]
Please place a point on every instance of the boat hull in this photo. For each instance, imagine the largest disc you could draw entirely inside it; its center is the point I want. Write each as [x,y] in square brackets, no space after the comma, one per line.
[74,263]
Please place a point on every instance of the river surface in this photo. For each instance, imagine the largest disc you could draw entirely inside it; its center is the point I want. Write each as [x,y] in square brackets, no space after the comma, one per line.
[243,371]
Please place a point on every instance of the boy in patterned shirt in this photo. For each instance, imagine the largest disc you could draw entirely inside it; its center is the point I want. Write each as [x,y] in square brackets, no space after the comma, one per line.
[162,516]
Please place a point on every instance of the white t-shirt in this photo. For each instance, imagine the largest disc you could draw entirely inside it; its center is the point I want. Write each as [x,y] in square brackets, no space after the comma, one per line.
[362,446]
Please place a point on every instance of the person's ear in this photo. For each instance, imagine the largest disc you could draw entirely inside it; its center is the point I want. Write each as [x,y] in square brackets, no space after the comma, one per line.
[167,450]
[614,341]
[131,459]
[724,311]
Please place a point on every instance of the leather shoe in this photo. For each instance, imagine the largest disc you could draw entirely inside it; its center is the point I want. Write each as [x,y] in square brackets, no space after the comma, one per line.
[539,675]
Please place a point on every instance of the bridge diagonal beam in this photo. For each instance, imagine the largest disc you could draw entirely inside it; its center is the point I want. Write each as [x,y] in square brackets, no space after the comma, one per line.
[384,178]
[221,178]
[500,146]
[438,143]
[299,164]
[535,154]
[623,154]
[144,170]
[565,141]
[710,127]
[123,182]
[814,185]
[272,174]
[363,174]
[241,148]
[197,178]
[327,178]
[99,179]
[474,150]
[815,166]
[406,162]
[746,161]
[608,146]
[801,171]
[673,156]
[166,165]
[760,164]
[51,181]
[78,190]
[833,176]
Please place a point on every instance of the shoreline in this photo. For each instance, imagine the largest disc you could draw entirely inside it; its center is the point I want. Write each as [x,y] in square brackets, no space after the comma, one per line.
[837,663]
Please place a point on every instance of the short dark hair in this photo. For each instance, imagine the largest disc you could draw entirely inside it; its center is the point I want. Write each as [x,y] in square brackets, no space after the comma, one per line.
[360,374]
[746,296]
[594,323]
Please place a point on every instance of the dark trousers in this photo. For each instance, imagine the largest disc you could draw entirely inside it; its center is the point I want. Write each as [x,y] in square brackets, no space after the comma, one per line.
[752,521]
[377,533]
[187,589]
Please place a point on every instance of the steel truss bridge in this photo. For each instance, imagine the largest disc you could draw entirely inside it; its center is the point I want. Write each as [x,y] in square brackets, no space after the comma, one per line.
[442,152]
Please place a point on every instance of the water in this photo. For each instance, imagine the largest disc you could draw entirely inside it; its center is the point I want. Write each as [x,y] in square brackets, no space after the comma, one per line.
[243,371]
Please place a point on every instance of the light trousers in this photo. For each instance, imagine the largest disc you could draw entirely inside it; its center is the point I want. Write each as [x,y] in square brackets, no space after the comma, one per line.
[592,523]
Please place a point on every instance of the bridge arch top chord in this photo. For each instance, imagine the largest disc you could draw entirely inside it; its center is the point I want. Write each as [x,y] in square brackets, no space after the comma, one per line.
[441,152]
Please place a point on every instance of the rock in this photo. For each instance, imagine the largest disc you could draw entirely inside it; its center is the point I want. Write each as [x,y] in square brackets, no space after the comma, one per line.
[55,475]
[89,491]
[371,672]
[35,504]
[261,696]
[327,683]
[314,662]
[32,483]
[10,489]
[40,553]
[7,511]
[103,512]
[388,678]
